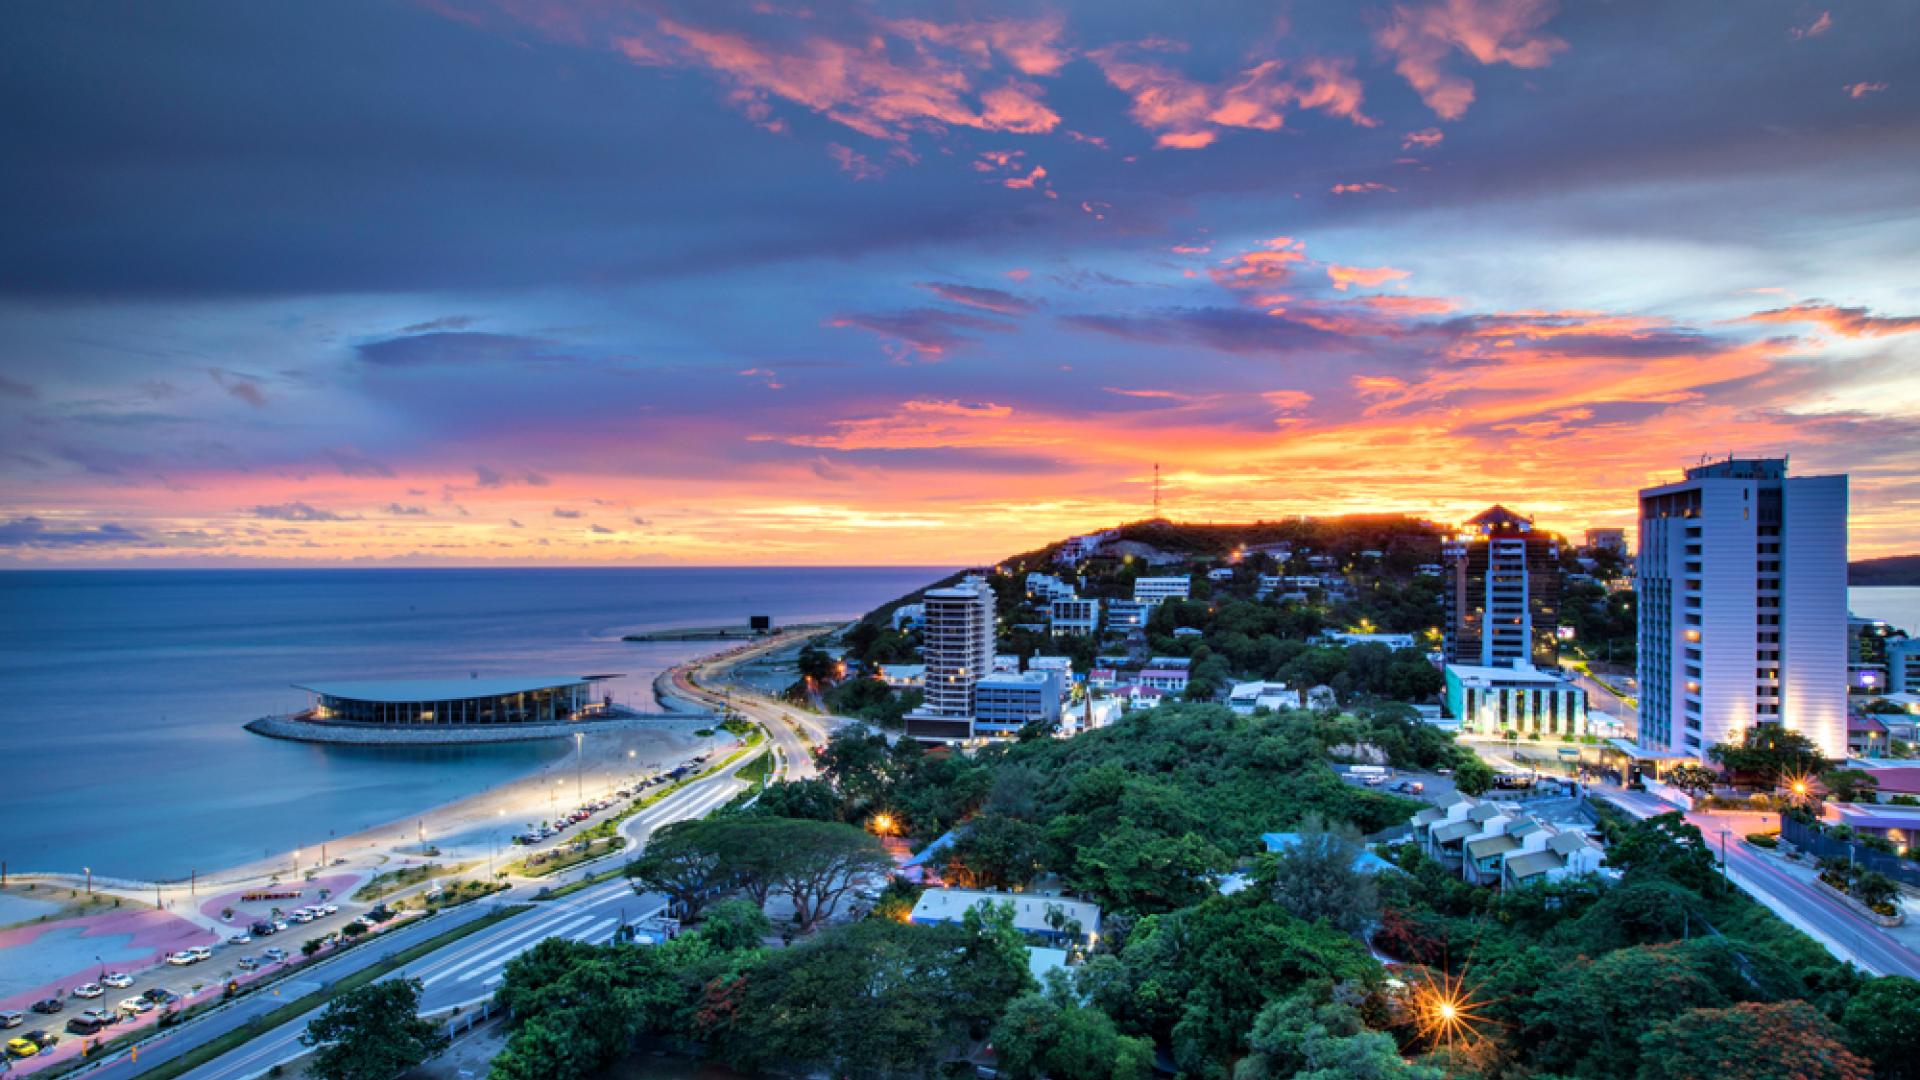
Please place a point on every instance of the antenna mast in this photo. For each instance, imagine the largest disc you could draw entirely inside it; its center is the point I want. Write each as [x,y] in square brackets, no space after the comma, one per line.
[1156,489]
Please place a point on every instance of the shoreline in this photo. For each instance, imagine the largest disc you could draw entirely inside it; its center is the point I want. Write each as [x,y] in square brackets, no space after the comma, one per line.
[473,826]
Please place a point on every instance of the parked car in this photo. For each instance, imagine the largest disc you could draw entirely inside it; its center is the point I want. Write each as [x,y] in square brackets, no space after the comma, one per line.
[330,909]
[134,1006]
[180,959]
[240,939]
[247,963]
[160,995]
[88,990]
[200,952]
[43,1039]
[21,1048]
[48,1006]
[11,1019]
[274,955]
[119,980]
[84,1025]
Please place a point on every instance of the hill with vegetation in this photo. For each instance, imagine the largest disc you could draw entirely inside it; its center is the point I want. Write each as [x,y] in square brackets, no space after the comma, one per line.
[1895,570]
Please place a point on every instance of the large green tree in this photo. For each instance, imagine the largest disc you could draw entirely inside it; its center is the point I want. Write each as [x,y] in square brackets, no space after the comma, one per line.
[1052,1034]
[373,1032]
[1320,877]
[1750,1041]
[1883,1023]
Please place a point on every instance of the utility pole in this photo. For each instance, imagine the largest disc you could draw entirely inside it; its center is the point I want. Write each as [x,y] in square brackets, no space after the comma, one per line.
[1156,489]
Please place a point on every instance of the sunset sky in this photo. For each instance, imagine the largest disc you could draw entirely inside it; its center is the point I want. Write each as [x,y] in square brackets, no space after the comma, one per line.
[618,281]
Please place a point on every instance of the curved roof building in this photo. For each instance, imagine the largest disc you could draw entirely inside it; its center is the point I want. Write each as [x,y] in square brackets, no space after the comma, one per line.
[525,699]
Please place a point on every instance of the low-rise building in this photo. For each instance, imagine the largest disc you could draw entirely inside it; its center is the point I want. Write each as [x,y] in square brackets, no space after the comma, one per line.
[1155,590]
[1520,698]
[1391,641]
[903,676]
[1172,680]
[1220,573]
[1005,702]
[1046,587]
[1140,697]
[1903,665]
[1498,844]
[1062,664]
[1003,663]
[1125,615]
[1073,616]
[1245,698]
[1056,920]
[908,616]
[1103,678]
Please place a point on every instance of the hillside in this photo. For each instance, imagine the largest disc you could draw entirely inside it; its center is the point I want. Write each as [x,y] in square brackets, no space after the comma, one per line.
[1894,570]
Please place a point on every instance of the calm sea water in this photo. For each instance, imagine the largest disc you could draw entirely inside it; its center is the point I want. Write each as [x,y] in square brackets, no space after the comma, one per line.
[1901,607]
[122,693]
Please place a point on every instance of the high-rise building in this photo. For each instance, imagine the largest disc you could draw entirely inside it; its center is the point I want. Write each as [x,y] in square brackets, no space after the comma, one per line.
[1613,540]
[1742,590]
[1501,594]
[957,645]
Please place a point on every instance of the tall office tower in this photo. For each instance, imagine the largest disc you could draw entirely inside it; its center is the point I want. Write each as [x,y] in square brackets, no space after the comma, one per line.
[1743,607]
[1502,592]
[957,644]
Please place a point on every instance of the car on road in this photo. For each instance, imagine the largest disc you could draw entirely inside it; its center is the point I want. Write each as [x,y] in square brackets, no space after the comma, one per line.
[11,1019]
[247,963]
[279,925]
[200,952]
[330,909]
[88,990]
[160,995]
[180,959]
[48,1006]
[22,1048]
[43,1039]
[240,939]
[119,980]
[274,955]
[134,1006]
[85,1024]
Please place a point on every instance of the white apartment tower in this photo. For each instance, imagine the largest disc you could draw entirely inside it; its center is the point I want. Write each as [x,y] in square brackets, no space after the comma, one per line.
[958,646]
[1742,587]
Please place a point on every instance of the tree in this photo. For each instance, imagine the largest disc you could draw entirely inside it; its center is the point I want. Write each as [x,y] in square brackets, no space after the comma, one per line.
[1319,876]
[1666,846]
[1882,1022]
[997,851]
[1849,785]
[1051,1034]
[682,861]
[1472,776]
[1769,753]
[1786,1040]
[731,925]
[577,1008]
[373,1032]
[799,799]
[1297,1037]
[1693,779]
[818,862]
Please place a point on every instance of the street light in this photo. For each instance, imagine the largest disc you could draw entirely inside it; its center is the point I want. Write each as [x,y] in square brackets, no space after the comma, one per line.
[579,780]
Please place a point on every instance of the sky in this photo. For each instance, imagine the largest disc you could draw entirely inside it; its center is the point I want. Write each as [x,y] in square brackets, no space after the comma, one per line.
[629,282]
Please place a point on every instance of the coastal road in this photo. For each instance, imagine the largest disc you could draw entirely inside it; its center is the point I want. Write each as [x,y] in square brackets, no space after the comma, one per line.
[1842,930]
[461,973]
[794,731]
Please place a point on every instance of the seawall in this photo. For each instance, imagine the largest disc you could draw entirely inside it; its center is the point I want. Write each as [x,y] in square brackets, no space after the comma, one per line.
[288,727]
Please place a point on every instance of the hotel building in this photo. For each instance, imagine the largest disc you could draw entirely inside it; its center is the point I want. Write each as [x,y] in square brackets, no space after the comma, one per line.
[1153,590]
[1501,592]
[957,647]
[1742,587]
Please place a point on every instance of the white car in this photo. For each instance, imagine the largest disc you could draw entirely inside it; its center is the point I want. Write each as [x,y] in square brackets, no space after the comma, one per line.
[181,958]
[302,916]
[134,1006]
[330,909]
[88,990]
[119,980]
[240,939]
[200,952]
[279,925]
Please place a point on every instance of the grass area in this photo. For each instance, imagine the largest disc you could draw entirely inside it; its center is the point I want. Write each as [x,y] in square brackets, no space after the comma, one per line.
[552,862]
[452,894]
[757,771]
[392,881]
[584,883]
[258,1026]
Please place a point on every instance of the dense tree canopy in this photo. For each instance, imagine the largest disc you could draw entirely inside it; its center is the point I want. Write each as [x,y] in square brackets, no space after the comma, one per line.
[373,1032]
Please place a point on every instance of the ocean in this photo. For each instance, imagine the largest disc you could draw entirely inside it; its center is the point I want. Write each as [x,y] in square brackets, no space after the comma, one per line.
[1899,606]
[123,692]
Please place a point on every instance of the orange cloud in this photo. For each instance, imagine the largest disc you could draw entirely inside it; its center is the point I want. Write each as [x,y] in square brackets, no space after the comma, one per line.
[1188,115]
[1367,277]
[1362,188]
[1270,264]
[1421,37]
[1850,322]
[1858,90]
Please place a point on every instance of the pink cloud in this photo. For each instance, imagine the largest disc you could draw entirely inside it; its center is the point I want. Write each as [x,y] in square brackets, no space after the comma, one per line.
[1424,139]
[1186,114]
[1813,29]
[1268,265]
[1287,400]
[1846,321]
[1858,90]
[1367,277]
[1421,37]
[1361,188]
[853,163]
[885,81]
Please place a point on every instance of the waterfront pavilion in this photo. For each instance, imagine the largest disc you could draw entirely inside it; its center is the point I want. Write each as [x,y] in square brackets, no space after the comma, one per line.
[446,702]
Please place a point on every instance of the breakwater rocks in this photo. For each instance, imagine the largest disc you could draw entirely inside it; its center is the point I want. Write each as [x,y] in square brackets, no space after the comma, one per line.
[292,727]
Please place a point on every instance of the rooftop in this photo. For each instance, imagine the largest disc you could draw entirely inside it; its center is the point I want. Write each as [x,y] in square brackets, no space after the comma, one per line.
[400,691]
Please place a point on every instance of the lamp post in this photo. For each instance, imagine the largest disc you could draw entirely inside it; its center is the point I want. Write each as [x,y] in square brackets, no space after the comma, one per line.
[89,871]
[579,778]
